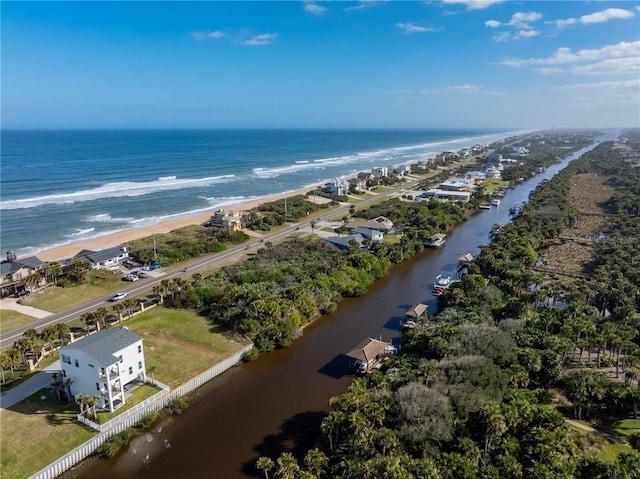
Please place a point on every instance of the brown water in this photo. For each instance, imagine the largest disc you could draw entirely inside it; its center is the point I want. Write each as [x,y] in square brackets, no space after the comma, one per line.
[276,403]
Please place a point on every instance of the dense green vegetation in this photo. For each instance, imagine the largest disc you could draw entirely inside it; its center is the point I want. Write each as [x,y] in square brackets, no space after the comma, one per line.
[482,390]
[183,244]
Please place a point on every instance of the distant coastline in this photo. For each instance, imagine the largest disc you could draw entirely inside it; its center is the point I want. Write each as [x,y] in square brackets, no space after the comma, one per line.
[65,190]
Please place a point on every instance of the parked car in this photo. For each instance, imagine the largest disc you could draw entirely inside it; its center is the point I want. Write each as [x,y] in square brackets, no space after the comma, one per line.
[130,277]
[139,274]
[118,296]
[23,293]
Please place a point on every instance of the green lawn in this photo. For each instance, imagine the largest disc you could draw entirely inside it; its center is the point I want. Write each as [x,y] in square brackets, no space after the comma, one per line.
[138,395]
[10,319]
[58,299]
[35,432]
[181,344]
[626,427]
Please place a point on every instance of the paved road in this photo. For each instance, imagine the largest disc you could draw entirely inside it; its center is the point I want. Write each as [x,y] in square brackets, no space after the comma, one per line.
[144,286]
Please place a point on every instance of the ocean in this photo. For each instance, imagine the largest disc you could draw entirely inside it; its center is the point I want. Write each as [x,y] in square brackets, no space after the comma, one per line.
[59,186]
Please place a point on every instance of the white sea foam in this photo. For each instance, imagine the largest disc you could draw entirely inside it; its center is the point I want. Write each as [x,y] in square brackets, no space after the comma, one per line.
[113,190]
[80,233]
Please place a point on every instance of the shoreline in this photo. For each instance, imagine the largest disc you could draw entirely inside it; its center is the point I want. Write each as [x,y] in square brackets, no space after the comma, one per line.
[69,250]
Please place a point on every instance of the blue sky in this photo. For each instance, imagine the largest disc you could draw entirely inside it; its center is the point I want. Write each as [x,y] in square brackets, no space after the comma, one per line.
[421,64]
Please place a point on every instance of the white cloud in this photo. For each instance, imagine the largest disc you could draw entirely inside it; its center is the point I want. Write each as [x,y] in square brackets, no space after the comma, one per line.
[262,39]
[492,23]
[363,4]
[565,55]
[411,28]
[501,37]
[522,19]
[633,85]
[527,34]
[614,66]
[474,4]
[207,35]
[549,70]
[606,15]
[563,23]
[314,8]
[461,89]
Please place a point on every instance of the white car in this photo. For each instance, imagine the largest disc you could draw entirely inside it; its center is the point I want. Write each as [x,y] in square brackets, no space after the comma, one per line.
[130,277]
[119,296]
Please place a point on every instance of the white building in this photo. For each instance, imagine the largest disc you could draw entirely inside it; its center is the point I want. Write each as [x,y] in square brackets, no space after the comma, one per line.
[102,364]
[228,220]
[380,172]
[337,186]
[438,194]
[109,258]
[494,172]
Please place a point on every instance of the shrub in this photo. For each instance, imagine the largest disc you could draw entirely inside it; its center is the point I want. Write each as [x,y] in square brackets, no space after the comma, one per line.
[112,445]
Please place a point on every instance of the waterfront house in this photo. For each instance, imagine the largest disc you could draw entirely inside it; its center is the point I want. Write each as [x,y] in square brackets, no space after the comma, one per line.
[359,182]
[380,172]
[227,220]
[436,240]
[368,233]
[344,242]
[404,170]
[416,312]
[337,186]
[494,172]
[103,364]
[438,194]
[457,184]
[13,272]
[368,354]
[109,258]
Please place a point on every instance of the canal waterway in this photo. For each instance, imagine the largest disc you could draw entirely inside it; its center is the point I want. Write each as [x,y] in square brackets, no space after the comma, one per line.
[277,402]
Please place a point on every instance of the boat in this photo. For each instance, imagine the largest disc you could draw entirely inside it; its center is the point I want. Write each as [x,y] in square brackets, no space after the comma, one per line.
[495,228]
[484,206]
[443,281]
[515,209]
[495,202]
[436,240]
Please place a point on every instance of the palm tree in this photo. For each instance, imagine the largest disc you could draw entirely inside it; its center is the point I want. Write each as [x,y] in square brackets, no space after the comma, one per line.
[67,387]
[287,466]
[88,319]
[56,386]
[265,464]
[62,330]
[119,308]
[129,304]
[151,370]
[316,461]
[92,404]
[100,315]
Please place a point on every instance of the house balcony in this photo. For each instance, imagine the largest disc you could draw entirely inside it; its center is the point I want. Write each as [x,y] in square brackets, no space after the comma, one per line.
[113,373]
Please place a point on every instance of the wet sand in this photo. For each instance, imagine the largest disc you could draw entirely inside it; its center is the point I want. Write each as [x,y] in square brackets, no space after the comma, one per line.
[63,252]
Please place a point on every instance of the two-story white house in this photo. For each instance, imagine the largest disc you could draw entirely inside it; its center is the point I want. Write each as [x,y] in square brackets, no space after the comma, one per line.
[102,364]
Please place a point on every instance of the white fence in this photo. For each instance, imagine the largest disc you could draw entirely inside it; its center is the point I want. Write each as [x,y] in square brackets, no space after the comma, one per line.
[130,417]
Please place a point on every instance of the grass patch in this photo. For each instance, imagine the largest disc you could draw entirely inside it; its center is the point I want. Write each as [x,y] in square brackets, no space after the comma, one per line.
[626,427]
[58,299]
[181,344]
[138,395]
[392,239]
[594,445]
[10,319]
[35,432]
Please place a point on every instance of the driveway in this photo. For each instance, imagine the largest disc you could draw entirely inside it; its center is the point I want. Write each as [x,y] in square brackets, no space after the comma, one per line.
[12,303]
[37,381]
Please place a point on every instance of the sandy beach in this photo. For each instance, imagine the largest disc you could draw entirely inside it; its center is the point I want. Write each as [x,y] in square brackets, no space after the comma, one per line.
[66,251]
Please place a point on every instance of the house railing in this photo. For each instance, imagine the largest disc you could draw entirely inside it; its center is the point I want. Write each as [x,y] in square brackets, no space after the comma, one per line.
[130,417]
